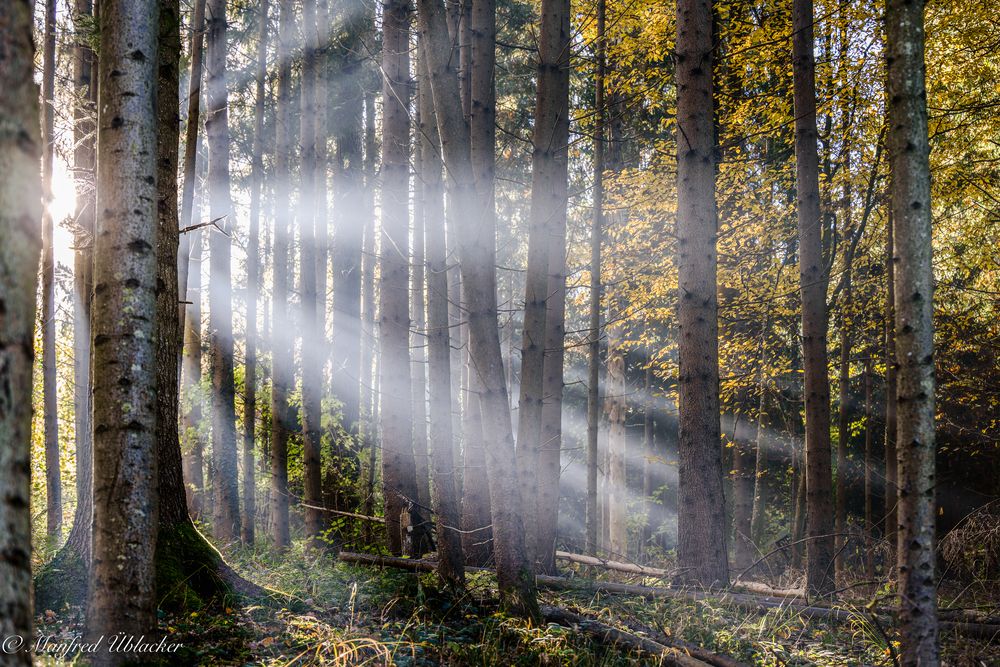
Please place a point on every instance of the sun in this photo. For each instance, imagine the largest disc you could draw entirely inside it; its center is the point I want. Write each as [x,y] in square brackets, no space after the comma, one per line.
[62,207]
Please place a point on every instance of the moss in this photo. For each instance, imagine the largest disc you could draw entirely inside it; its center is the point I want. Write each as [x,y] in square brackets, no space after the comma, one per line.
[188,570]
[62,581]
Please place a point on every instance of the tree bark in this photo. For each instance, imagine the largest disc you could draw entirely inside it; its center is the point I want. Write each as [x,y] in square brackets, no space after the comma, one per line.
[596,235]
[812,286]
[418,333]
[550,163]
[350,215]
[911,204]
[477,256]
[742,498]
[281,338]
[124,339]
[451,560]
[617,496]
[253,277]
[84,116]
[226,515]
[309,205]
[196,52]
[398,476]
[701,549]
[53,481]
[869,473]
[20,245]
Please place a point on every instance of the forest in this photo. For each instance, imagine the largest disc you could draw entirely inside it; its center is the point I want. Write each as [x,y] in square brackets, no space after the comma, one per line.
[500,332]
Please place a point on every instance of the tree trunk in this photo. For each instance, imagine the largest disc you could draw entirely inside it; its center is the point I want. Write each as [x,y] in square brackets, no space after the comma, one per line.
[281,337]
[843,429]
[399,479]
[617,495]
[350,216]
[187,241]
[309,205]
[226,516]
[84,115]
[53,482]
[743,551]
[20,245]
[451,561]
[891,402]
[701,549]
[761,498]
[648,457]
[418,334]
[911,204]
[476,245]
[596,234]
[869,475]
[122,596]
[812,285]
[189,284]
[253,276]
[550,160]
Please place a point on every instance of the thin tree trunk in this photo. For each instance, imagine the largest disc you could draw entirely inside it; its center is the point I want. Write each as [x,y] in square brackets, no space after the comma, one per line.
[196,52]
[451,561]
[911,203]
[648,456]
[346,118]
[476,244]
[761,498]
[418,333]
[253,277]
[53,482]
[742,499]
[596,233]
[550,163]
[869,476]
[84,128]
[281,337]
[813,282]
[309,205]
[843,429]
[226,516]
[701,549]
[20,245]
[617,492]
[124,339]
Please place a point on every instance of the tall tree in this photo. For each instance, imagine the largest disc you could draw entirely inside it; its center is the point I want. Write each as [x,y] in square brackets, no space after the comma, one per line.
[418,333]
[596,235]
[20,244]
[476,245]
[549,197]
[281,339]
[701,549]
[121,596]
[253,278]
[451,565]
[617,493]
[398,474]
[226,516]
[53,482]
[812,287]
[909,151]
[346,119]
[84,111]
[196,52]
[312,373]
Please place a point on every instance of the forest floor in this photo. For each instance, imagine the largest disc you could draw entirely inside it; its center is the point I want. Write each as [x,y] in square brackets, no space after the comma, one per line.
[339,614]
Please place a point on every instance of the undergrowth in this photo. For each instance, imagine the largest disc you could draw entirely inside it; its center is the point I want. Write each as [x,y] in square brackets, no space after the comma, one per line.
[346,615]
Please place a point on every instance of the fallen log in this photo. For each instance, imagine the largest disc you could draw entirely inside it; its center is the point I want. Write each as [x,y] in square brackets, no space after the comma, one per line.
[692,650]
[754,603]
[609,635]
[764,589]
[630,568]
